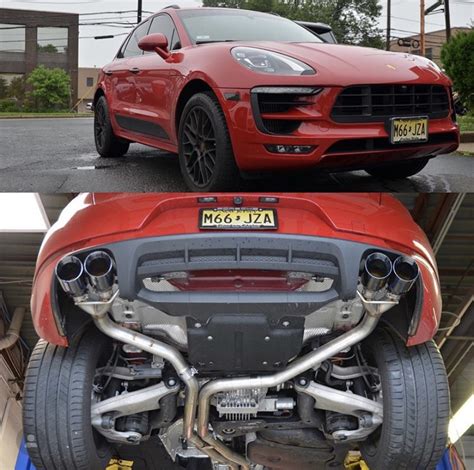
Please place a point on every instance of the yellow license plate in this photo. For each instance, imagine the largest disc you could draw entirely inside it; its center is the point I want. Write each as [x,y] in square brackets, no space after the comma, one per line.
[238,219]
[409,130]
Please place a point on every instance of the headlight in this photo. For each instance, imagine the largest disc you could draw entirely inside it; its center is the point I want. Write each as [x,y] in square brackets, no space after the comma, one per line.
[262,61]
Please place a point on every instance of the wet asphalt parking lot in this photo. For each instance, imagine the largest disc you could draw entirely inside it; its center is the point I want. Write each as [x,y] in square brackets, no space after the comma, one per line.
[59,155]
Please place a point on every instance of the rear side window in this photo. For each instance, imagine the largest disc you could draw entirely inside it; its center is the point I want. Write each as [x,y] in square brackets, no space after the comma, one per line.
[132,49]
[164,24]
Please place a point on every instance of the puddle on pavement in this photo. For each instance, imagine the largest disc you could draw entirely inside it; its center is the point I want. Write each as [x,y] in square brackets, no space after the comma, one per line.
[93,167]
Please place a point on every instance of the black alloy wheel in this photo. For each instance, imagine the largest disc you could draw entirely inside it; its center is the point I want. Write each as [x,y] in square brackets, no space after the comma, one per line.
[206,156]
[199,143]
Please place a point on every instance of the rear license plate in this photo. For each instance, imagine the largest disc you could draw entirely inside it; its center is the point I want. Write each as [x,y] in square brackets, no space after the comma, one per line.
[403,130]
[238,219]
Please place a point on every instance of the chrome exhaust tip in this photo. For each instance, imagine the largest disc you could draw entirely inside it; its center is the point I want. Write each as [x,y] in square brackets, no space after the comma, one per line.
[69,273]
[100,270]
[377,270]
[405,274]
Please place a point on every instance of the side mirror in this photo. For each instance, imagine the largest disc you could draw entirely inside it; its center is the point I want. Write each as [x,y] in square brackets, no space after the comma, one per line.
[155,42]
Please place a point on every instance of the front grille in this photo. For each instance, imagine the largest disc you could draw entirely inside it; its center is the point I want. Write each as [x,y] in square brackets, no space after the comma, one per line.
[378,102]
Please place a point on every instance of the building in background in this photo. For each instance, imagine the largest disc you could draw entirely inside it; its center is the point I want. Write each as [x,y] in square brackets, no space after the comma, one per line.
[434,42]
[30,38]
[87,81]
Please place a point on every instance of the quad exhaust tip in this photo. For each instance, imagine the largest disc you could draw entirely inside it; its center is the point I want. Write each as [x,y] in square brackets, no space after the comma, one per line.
[69,273]
[98,269]
[405,274]
[377,270]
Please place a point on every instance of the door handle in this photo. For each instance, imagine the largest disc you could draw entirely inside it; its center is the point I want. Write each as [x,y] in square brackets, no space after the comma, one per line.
[108,72]
[134,70]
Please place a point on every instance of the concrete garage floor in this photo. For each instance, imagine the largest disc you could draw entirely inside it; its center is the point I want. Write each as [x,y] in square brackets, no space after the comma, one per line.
[58,155]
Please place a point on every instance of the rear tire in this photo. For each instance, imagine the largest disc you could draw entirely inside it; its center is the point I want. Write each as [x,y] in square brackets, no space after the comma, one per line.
[206,157]
[108,145]
[415,392]
[399,170]
[57,405]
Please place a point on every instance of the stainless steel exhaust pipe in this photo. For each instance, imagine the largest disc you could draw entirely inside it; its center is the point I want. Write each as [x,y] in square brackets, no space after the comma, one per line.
[70,275]
[377,270]
[405,274]
[312,360]
[100,269]
[163,350]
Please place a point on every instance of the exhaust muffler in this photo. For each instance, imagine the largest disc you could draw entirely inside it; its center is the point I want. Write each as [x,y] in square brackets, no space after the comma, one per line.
[70,275]
[100,270]
[405,274]
[377,270]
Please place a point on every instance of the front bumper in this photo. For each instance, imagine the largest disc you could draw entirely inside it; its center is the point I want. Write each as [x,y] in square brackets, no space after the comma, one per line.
[338,146]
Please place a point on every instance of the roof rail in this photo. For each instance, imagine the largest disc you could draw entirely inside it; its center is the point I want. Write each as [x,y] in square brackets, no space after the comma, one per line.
[175,7]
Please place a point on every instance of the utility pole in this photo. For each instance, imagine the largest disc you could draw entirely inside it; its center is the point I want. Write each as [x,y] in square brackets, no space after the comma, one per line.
[139,11]
[389,26]
[447,18]
[422,27]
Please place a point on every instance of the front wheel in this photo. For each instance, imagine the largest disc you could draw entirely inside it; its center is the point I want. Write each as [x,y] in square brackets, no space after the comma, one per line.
[57,405]
[415,395]
[399,170]
[206,157]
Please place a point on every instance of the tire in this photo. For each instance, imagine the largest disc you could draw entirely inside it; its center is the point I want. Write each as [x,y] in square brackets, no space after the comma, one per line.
[207,161]
[57,405]
[415,392]
[399,170]
[108,145]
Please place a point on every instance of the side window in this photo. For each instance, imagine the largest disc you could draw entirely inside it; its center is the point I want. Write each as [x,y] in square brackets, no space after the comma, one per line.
[164,24]
[132,49]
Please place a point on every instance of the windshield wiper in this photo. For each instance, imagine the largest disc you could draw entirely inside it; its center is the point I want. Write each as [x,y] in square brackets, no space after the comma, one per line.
[208,41]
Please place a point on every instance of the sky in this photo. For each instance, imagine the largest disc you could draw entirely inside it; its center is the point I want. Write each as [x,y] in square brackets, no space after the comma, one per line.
[97,53]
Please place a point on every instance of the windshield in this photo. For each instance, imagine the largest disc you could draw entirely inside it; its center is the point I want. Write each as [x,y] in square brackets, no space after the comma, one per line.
[214,25]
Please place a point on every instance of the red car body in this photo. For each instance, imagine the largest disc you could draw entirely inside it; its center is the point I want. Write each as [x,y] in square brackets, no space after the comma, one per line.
[149,93]
[95,220]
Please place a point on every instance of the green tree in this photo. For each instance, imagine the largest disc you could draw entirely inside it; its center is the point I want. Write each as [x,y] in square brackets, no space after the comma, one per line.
[353,21]
[458,60]
[3,88]
[17,88]
[48,48]
[51,89]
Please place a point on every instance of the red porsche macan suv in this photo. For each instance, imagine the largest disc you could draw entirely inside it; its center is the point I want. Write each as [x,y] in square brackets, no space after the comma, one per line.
[243,331]
[237,91]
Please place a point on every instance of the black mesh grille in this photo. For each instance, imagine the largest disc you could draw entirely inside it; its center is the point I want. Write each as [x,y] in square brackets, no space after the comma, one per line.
[377,102]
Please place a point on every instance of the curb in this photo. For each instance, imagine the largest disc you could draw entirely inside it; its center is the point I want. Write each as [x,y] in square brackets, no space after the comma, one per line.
[25,116]
[467,137]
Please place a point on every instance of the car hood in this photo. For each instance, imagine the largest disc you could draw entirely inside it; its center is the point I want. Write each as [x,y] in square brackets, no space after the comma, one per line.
[342,65]
[93,219]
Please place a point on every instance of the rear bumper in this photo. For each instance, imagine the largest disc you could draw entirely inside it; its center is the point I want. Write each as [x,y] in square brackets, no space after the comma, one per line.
[140,258]
[338,146]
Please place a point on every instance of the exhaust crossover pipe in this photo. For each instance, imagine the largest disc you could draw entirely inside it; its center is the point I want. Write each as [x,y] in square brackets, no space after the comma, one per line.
[99,269]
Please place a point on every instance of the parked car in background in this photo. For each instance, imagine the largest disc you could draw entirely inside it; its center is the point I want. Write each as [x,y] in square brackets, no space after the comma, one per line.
[235,91]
